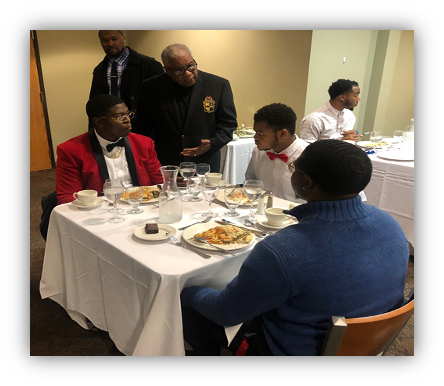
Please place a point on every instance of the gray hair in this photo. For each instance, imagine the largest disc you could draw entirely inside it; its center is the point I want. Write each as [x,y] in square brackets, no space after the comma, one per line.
[174,50]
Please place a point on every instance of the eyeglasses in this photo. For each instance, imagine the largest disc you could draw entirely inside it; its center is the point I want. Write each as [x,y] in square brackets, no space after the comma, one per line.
[292,168]
[122,118]
[182,71]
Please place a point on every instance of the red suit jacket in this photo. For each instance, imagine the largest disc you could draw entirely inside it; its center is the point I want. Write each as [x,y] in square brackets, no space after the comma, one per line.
[81,164]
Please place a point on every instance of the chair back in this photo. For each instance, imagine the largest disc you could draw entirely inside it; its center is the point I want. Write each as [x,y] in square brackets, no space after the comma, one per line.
[366,336]
[48,203]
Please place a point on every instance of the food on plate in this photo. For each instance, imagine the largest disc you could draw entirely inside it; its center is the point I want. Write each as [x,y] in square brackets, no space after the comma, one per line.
[151,229]
[149,193]
[226,234]
[234,196]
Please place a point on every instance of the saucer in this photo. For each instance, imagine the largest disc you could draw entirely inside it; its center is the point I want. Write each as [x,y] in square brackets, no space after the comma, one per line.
[264,223]
[96,204]
[165,231]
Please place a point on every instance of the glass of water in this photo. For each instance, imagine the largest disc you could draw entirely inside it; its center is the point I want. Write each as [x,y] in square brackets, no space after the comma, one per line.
[113,190]
[398,139]
[187,170]
[252,190]
[233,197]
[194,186]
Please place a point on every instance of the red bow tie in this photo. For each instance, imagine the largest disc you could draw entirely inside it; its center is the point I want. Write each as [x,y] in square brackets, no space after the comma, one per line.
[273,156]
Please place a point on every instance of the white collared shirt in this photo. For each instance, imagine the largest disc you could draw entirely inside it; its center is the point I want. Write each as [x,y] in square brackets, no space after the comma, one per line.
[117,167]
[275,175]
[326,123]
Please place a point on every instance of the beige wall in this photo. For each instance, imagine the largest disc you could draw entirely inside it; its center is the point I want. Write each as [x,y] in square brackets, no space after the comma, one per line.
[382,62]
[262,66]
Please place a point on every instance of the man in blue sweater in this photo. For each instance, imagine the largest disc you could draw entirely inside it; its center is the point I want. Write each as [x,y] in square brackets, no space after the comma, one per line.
[344,258]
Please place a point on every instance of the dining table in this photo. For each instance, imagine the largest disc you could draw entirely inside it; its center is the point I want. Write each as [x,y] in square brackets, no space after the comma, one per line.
[234,159]
[392,188]
[106,275]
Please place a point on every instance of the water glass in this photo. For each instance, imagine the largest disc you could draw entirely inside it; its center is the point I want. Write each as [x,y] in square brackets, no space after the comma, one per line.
[187,170]
[202,170]
[398,139]
[233,197]
[134,196]
[113,190]
[210,191]
[376,136]
[252,190]
[194,185]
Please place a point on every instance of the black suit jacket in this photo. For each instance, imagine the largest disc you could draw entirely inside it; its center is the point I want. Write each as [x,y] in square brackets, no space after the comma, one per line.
[158,117]
[138,68]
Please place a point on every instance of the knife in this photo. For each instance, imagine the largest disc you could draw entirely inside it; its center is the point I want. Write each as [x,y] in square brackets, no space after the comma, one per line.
[259,233]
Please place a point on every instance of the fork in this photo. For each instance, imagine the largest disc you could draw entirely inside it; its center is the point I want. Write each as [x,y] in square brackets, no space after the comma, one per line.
[204,241]
[200,222]
[186,246]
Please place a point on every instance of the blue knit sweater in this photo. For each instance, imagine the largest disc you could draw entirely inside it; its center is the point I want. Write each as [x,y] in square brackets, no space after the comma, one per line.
[343,258]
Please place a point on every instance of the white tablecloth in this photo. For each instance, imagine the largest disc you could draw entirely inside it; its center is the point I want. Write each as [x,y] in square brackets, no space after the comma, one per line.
[234,159]
[124,285]
[392,189]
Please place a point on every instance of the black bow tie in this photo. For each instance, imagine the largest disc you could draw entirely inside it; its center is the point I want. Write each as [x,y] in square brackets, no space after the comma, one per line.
[111,146]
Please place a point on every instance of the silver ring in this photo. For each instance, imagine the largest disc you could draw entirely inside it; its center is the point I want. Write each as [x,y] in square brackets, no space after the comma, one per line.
[195,155]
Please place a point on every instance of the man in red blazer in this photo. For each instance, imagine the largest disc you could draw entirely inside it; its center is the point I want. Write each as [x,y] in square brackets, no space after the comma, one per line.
[108,151]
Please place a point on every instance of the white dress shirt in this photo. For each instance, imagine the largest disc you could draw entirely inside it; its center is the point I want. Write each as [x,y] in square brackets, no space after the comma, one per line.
[117,167]
[275,174]
[326,123]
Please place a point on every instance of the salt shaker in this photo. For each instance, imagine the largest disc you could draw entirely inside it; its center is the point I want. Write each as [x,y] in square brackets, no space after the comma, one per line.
[261,204]
[269,200]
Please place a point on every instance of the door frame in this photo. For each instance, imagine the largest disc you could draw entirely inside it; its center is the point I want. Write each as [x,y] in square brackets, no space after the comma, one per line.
[43,96]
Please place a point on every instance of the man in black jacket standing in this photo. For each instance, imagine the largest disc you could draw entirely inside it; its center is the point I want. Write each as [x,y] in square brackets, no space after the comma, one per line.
[190,114]
[123,70]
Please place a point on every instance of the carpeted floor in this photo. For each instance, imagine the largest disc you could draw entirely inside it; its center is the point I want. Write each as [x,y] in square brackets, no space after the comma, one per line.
[53,332]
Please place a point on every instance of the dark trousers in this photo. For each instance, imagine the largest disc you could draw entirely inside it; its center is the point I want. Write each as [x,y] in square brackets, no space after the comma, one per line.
[206,337]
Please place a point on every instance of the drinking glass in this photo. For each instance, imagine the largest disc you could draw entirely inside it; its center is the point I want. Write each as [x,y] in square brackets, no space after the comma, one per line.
[134,196]
[202,169]
[398,139]
[187,170]
[194,185]
[113,190]
[210,191]
[233,197]
[252,190]
[376,136]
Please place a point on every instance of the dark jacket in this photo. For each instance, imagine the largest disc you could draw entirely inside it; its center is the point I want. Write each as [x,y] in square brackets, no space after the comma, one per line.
[211,115]
[138,68]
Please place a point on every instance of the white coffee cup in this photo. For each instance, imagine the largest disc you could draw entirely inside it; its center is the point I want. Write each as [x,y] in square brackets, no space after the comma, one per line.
[86,197]
[213,178]
[275,216]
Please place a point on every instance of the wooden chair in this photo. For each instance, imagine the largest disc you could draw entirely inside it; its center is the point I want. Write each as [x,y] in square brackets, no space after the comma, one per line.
[367,336]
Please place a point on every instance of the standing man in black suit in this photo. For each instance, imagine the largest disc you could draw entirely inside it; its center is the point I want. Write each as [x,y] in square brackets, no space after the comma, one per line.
[123,70]
[189,114]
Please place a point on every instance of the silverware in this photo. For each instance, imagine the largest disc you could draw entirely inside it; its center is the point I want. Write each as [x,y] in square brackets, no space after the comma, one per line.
[258,233]
[204,241]
[186,246]
[199,222]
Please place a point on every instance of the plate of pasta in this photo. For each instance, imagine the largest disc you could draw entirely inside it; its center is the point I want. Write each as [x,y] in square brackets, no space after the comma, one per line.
[228,237]
[150,194]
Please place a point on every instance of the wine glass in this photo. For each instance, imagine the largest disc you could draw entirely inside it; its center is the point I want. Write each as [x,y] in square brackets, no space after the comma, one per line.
[134,196]
[210,191]
[194,185]
[187,170]
[233,197]
[252,190]
[202,170]
[376,136]
[113,190]
[398,139]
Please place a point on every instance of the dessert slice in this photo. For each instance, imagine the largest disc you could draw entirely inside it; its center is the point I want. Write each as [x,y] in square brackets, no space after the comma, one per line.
[151,229]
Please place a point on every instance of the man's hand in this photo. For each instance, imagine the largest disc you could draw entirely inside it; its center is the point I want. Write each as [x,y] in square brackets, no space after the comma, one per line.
[195,151]
[351,135]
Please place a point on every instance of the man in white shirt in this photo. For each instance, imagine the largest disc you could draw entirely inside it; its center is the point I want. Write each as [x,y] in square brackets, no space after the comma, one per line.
[276,145]
[334,120]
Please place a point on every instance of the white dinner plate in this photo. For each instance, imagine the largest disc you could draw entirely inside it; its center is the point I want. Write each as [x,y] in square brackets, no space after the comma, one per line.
[165,231]
[397,155]
[190,232]
[220,197]
[97,203]
[264,222]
